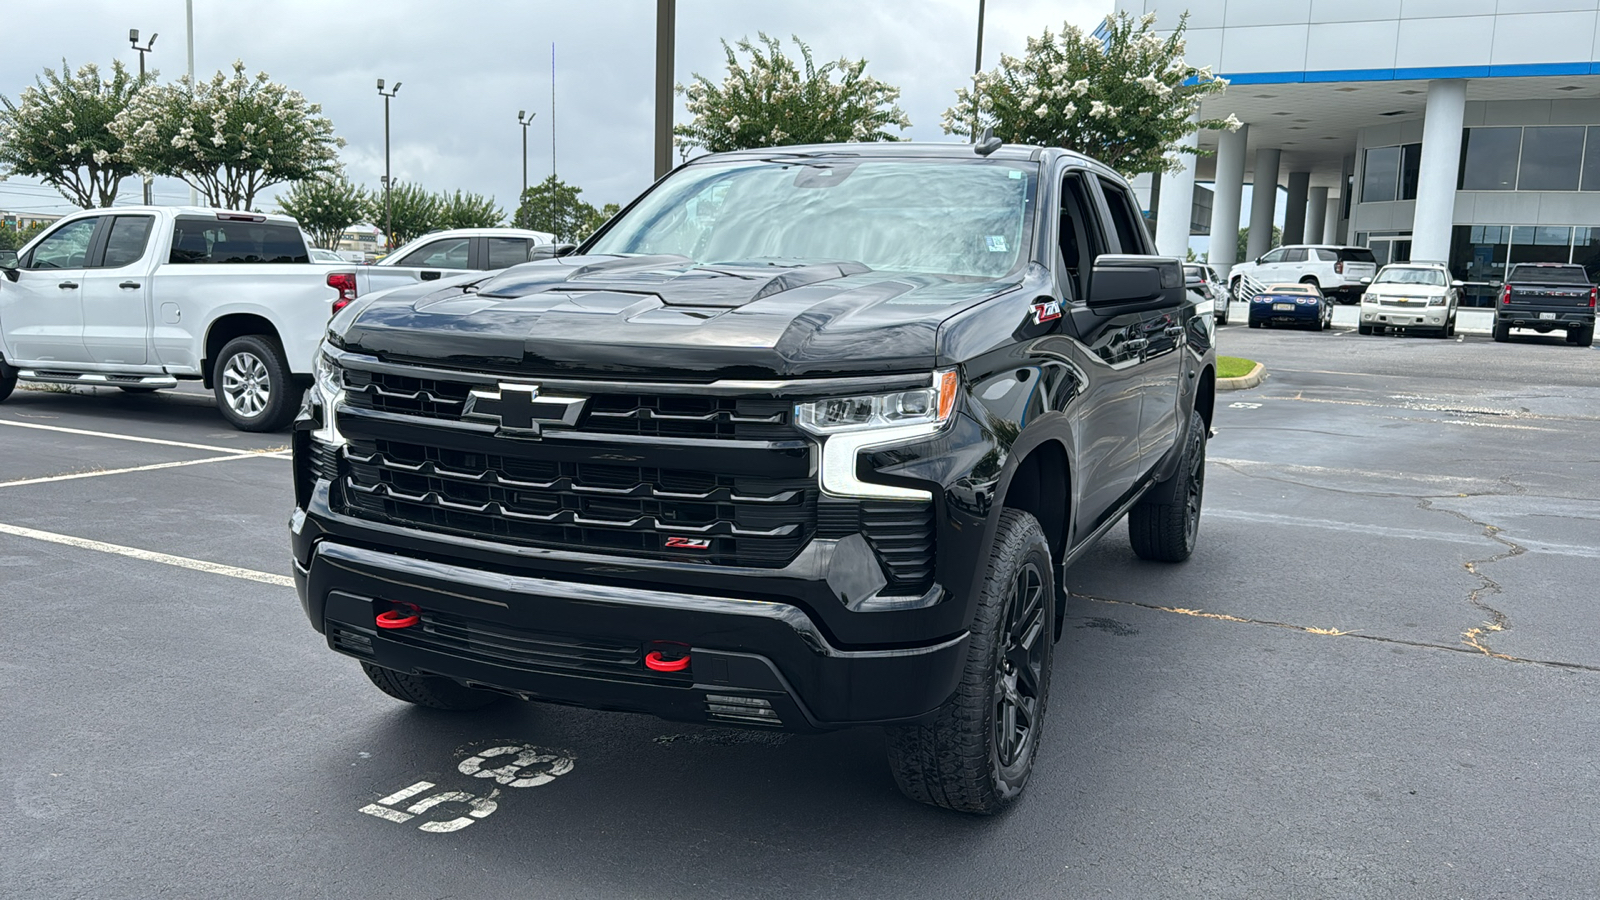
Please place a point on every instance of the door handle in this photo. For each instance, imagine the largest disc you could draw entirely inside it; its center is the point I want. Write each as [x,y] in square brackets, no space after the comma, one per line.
[431,276]
[68,285]
[1137,343]
[1174,330]
[129,285]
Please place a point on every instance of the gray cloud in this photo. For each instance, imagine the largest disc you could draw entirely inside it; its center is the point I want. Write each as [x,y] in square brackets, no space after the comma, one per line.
[467,67]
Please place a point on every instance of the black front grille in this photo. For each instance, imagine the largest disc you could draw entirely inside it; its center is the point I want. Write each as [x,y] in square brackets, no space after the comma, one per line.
[587,506]
[525,649]
[655,415]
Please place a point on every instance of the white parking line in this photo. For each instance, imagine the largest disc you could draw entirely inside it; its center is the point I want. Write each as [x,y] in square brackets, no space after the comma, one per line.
[121,437]
[167,559]
[150,468]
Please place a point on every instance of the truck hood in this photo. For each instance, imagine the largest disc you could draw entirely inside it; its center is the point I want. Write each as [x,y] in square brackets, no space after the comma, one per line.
[667,317]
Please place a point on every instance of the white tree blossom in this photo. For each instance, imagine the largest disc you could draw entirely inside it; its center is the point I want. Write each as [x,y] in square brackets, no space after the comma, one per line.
[58,131]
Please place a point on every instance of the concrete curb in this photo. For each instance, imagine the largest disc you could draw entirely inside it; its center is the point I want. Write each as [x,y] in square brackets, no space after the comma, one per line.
[1244,382]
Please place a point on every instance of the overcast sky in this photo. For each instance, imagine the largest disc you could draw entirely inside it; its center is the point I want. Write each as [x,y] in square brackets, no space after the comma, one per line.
[468,66]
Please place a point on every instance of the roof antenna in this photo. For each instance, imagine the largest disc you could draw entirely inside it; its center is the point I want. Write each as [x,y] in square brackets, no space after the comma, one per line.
[987,143]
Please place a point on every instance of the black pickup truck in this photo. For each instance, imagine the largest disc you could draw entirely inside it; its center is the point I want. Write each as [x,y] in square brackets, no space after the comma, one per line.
[1544,297]
[802,439]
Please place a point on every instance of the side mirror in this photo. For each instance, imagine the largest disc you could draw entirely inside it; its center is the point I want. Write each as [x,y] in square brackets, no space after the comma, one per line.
[1130,283]
[1458,284]
[1366,280]
[549,251]
[8,263]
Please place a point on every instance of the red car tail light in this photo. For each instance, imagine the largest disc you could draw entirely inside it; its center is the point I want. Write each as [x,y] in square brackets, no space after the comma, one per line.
[1505,296]
[345,284]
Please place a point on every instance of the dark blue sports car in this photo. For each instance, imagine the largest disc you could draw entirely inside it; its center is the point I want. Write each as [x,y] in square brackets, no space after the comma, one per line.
[1291,304]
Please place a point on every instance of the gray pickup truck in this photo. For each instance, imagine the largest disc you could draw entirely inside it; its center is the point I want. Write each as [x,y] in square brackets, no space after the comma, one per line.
[1544,297]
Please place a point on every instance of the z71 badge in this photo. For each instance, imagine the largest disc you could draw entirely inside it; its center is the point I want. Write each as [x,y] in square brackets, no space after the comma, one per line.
[686,543]
[1045,312]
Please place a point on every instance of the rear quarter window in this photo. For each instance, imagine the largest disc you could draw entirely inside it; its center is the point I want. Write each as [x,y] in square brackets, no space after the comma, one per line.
[208,241]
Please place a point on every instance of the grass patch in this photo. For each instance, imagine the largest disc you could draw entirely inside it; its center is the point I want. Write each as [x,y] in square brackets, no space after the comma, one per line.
[1234,366]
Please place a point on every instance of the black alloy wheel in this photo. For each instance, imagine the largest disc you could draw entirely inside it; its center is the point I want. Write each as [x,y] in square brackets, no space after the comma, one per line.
[1164,526]
[1019,669]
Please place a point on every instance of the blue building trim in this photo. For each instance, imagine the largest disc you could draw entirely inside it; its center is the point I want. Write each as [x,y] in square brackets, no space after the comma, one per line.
[1323,76]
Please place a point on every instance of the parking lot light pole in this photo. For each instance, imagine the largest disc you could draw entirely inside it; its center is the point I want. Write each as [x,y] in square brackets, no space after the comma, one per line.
[388,211]
[524,118]
[133,38]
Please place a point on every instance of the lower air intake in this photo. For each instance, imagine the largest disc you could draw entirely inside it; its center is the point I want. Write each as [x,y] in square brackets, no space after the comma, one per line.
[742,710]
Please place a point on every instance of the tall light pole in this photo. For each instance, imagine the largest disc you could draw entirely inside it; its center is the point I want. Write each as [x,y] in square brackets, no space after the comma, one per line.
[524,118]
[388,211]
[666,26]
[977,66]
[133,38]
[188,11]
[552,110]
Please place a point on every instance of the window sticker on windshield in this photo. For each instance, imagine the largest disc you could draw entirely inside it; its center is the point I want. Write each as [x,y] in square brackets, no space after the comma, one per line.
[997,243]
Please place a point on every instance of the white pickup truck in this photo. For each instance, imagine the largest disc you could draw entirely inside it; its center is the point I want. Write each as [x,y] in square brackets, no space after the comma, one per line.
[141,297]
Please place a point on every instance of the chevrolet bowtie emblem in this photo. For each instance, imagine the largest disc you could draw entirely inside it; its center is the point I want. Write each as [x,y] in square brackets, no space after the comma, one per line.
[520,410]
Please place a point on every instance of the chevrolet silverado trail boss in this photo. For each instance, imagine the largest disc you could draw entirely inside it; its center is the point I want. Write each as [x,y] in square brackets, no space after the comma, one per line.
[802,439]
[1544,297]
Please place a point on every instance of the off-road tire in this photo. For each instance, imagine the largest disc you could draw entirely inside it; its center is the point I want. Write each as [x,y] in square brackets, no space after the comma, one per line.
[1363,329]
[1502,333]
[957,761]
[283,398]
[1165,524]
[8,381]
[1583,337]
[431,691]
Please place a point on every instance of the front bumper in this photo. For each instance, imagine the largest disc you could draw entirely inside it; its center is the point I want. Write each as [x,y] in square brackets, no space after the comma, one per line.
[1405,316]
[752,662]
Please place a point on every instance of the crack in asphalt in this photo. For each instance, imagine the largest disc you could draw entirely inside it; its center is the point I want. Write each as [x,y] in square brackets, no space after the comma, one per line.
[1498,621]
[1470,650]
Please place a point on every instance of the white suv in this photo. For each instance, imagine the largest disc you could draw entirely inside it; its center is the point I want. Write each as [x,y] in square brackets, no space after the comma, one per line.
[1414,297]
[1337,271]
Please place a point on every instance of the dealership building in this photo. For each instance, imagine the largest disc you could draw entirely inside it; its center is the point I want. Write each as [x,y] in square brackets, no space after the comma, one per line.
[1465,131]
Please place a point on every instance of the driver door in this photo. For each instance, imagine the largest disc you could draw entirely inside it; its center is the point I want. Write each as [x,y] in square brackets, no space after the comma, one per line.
[42,311]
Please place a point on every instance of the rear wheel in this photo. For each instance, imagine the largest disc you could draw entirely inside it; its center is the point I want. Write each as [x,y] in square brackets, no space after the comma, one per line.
[8,380]
[1254,324]
[1502,332]
[978,752]
[253,385]
[431,691]
[1583,337]
[1165,524]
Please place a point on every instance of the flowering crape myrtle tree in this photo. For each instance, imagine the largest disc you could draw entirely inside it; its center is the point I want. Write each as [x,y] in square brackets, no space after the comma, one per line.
[325,207]
[773,103]
[57,131]
[1124,97]
[228,137]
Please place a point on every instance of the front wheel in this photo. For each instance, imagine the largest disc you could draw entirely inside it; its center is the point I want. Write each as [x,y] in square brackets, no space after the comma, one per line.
[253,385]
[1165,524]
[1363,329]
[978,752]
[8,380]
[432,691]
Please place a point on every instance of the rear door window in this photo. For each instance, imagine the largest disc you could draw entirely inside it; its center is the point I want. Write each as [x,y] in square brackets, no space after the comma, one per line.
[1125,219]
[449,253]
[1298,254]
[208,241]
[125,245]
[507,252]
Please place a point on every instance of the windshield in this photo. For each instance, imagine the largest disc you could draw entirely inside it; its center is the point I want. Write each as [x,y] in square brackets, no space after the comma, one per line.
[967,218]
[1410,275]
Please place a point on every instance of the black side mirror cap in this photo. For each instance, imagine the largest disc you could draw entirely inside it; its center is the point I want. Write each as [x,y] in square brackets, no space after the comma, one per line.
[1123,283]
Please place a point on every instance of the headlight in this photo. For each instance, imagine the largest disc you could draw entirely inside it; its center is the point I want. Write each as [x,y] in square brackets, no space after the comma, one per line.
[330,391]
[849,425]
[1435,301]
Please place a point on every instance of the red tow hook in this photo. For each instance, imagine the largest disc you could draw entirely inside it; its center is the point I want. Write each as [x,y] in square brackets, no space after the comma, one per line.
[668,657]
[404,615]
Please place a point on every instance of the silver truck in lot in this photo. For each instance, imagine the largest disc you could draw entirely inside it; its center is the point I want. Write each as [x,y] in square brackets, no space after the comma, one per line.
[142,297]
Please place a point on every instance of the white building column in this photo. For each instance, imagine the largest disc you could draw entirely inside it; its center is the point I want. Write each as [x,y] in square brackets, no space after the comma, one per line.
[1227,192]
[1177,200]
[1436,175]
[1263,200]
[1294,209]
[1316,214]
[1330,224]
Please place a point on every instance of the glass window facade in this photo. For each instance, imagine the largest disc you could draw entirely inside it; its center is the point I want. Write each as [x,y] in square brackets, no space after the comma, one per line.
[1380,176]
[1480,255]
[1586,250]
[1552,157]
[1410,166]
[1489,159]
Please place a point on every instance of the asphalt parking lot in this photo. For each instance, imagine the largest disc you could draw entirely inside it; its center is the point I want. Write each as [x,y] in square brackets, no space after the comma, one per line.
[1378,677]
